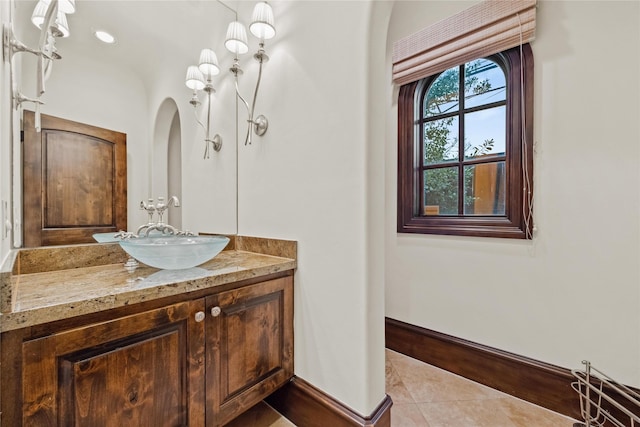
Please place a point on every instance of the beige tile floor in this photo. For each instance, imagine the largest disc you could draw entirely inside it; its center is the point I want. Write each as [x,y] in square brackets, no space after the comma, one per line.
[261,415]
[426,396]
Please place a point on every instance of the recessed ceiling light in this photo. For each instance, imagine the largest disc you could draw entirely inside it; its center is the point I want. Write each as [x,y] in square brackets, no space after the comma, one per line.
[105,37]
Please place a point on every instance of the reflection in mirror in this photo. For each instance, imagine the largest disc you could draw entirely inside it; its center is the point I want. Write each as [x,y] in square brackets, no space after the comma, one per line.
[136,86]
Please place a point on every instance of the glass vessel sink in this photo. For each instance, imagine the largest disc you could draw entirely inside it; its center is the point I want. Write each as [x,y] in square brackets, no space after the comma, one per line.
[106,237]
[174,252]
[113,237]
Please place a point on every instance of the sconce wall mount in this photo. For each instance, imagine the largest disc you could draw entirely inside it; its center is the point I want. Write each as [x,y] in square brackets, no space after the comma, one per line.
[199,77]
[49,16]
[262,27]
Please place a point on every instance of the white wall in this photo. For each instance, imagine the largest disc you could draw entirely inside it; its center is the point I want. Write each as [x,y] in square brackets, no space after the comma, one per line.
[375,108]
[208,185]
[305,180]
[573,293]
[5,138]
[174,174]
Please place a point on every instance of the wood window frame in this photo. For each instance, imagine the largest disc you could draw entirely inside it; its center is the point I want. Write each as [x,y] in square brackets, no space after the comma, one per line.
[515,223]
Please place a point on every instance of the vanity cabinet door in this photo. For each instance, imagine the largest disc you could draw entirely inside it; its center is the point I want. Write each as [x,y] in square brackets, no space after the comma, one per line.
[249,346]
[145,369]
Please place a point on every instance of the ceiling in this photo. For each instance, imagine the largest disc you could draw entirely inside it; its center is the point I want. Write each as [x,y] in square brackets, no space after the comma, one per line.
[148,33]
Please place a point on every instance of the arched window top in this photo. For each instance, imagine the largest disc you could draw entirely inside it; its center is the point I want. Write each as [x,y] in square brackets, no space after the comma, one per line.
[465,148]
[484,82]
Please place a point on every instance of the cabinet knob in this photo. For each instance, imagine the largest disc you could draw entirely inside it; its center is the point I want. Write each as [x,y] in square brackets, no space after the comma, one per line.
[215,311]
[199,316]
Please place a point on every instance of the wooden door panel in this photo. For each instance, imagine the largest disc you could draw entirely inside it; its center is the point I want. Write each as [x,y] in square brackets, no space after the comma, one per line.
[142,370]
[79,183]
[249,347]
[74,181]
[133,384]
[252,334]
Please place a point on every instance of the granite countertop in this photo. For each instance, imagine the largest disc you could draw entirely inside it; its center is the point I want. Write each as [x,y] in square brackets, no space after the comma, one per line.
[34,291]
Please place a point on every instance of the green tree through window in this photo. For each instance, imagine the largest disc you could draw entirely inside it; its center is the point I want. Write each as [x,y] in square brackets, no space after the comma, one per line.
[441,141]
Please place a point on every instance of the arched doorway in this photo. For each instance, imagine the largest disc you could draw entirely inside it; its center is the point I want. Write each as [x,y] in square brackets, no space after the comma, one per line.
[166,171]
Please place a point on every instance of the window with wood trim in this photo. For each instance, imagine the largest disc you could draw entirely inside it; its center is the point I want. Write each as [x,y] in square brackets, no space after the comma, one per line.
[465,156]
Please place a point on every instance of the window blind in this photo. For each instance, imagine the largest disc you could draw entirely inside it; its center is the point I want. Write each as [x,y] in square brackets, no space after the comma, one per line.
[481,30]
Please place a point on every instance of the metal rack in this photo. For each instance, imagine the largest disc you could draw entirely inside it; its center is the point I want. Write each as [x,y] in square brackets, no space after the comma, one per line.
[597,391]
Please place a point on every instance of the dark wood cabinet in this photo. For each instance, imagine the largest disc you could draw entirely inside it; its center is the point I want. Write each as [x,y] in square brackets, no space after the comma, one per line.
[191,363]
[145,369]
[249,347]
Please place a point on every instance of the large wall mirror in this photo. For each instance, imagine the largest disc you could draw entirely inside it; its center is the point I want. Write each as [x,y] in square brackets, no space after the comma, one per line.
[137,86]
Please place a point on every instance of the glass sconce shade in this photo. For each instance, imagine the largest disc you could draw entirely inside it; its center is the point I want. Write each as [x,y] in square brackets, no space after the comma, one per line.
[209,63]
[262,25]
[65,6]
[236,41]
[39,13]
[195,79]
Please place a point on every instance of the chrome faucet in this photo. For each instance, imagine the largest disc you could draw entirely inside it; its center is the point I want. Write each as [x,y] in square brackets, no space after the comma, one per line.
[163,228]
[159,207]
[150,208]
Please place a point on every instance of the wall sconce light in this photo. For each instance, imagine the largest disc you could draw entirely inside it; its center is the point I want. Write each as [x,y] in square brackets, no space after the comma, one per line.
[50,17]
[199,78]
[262,27]
[60,27]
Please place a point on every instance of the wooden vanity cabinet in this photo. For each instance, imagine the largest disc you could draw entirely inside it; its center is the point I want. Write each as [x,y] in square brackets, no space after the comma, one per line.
[145,369]
[249,342]
[193,363]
